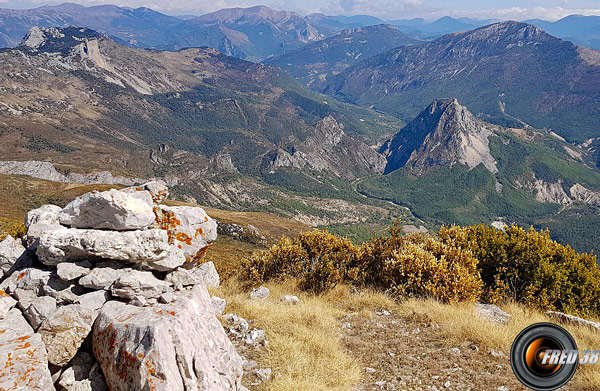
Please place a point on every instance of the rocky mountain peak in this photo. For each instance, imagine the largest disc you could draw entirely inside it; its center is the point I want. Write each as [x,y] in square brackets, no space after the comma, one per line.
[515,32]
[443,134]
[330,130]
[51,40]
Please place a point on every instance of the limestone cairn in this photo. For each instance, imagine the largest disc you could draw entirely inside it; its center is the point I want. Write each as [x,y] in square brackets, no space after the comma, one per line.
[109,293]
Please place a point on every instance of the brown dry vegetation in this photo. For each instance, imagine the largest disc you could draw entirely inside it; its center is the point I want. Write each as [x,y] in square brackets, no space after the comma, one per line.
[327,341]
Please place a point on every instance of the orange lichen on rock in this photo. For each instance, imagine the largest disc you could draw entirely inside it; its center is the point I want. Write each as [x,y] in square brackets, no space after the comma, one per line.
[196,259]
[20,339]
[21,275]
[160,195]
[166,220]
[183,237]
[199,231]
[24,346]
[3,293]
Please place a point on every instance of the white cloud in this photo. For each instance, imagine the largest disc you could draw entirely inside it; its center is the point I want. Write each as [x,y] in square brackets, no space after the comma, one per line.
[518,13]
[382,9]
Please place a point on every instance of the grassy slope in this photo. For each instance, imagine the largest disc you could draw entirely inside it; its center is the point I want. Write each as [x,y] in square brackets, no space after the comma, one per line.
[309,349]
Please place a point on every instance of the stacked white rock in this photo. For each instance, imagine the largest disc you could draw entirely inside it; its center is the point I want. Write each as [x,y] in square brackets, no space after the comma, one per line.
[111,294]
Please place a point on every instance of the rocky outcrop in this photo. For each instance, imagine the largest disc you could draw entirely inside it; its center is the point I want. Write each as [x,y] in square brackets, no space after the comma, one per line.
[23,357]
[443,134]
[581,193]
[546,191]
[329,148]
[173,346]
[572,319]
[46,170]
[115,300]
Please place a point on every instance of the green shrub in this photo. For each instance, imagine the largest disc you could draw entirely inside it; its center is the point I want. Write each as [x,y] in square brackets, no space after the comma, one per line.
[529,267]
[318,259]
[403,265]
[459,264]
[434,269]
[14,228]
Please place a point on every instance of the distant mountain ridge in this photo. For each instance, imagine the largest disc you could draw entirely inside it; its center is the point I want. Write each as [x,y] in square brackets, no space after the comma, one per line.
[500,71]
[251,33]
[316,61]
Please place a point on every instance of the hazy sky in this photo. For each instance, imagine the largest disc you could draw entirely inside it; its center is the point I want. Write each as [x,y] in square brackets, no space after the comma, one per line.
[385,9]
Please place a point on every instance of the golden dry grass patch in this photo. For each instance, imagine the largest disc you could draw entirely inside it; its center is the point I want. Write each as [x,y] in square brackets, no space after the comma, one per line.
[305,350]
[460,323]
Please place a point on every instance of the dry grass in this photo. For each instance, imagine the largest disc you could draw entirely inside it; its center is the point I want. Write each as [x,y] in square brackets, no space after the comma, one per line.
[305,350]
[460,323]
[309,349]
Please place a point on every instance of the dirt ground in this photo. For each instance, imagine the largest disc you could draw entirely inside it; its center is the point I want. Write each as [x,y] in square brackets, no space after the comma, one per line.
[411,353]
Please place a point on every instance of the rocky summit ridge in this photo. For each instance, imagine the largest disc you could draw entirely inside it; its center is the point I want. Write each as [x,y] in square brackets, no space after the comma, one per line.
[443,134]
[109,292]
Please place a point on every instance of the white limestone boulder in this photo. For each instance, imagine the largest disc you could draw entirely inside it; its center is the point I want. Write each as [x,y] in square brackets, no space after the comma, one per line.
[157,189]
[138,283]
[82,375]
[103,275]
[68,271]
[23,356]
[10,251]
[29,279]
[189,230]
[46,214]
[64,332]
[166,347]
[41,220]
[149,247]
[6,303]
[113,209]
[41,309]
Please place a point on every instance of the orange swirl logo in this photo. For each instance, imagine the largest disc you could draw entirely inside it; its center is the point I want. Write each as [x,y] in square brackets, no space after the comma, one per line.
[544,357]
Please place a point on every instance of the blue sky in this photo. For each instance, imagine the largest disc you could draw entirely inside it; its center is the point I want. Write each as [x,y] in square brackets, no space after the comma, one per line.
[385,9]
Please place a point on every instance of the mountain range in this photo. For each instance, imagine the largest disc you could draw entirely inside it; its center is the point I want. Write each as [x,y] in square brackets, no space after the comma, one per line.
[254,33]
[248,33]
[510,135]
[313,63]
[506,72]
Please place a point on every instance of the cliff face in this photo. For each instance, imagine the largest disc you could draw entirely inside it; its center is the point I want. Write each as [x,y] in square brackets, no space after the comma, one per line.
[444,134]
[329,148]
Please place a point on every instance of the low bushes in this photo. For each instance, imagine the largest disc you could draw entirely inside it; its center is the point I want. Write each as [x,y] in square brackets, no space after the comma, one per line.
[458,264]
[529,267]
[14,228]
[402,265]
